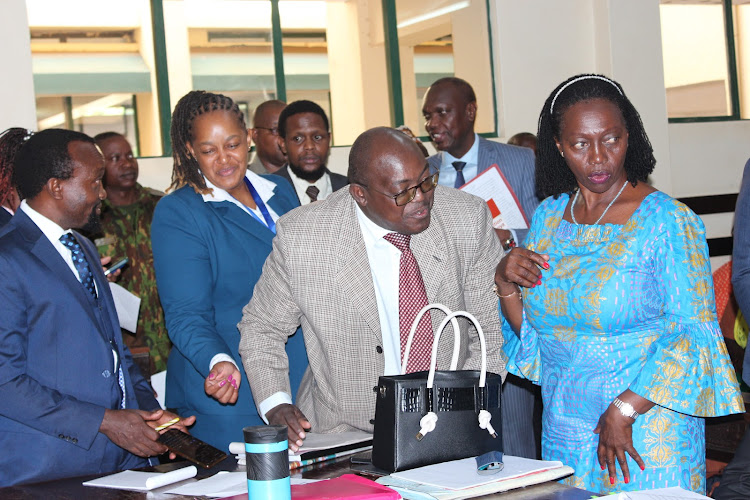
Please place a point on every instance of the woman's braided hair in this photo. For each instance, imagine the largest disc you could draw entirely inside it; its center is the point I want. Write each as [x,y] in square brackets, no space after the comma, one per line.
[10,144]
[553,177]
[193,104]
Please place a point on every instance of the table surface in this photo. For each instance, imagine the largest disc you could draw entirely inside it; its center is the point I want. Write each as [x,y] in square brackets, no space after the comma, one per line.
[72,489]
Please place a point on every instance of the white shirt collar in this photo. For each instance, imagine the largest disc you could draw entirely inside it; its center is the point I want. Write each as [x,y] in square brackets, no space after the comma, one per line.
[470,158]
[50,228]
[264,187]
[371,232]
[300,186]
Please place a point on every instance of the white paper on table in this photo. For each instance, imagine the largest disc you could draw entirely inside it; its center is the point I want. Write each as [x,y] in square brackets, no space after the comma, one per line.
[460,474]
[492,186]
[159,385]
[315,441]
[127,306]
[673,493]
[142,481]
[222,484]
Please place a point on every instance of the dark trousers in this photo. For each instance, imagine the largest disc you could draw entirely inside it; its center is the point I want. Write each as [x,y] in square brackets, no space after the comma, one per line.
[735,480]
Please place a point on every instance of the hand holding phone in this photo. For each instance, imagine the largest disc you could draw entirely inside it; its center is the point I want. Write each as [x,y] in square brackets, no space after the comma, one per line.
[115,267]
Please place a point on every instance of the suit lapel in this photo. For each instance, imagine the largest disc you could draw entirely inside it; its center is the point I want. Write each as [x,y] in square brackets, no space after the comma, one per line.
[234,216]
[50,258]
[430,250]
[483,162]
[355,276]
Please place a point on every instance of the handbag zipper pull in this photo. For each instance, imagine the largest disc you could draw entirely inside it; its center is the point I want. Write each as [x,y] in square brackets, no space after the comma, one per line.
[484,422]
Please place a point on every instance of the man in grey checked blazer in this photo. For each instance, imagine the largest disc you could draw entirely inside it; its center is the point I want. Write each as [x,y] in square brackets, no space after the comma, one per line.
[319,274]
[449,109]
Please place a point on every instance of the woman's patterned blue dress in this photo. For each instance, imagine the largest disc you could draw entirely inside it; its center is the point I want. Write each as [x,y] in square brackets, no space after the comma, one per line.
[625,306]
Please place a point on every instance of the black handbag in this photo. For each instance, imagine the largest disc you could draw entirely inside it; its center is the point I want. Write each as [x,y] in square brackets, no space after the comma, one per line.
[429,417]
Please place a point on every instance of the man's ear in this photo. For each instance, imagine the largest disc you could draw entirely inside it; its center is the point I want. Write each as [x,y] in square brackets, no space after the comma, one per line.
[358,193]
[471,111]
[282,144]
[55,188]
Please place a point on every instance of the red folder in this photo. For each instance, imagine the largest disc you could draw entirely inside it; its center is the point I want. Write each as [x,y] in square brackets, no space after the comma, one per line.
[346,486]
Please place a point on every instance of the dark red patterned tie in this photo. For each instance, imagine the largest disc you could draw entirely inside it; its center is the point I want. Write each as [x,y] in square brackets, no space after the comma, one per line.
[411,299]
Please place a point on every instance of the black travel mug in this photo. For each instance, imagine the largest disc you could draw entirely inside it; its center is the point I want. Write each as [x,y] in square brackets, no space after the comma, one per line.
[267,461]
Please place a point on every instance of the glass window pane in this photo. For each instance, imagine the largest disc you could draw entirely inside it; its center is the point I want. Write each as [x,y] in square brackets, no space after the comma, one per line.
[334,55]
[231,50]
[90,69]
[444,38]
[695,58]
[741,15]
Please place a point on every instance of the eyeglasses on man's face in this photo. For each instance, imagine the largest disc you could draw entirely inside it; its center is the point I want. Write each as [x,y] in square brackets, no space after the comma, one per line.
[273,130]
[408,194]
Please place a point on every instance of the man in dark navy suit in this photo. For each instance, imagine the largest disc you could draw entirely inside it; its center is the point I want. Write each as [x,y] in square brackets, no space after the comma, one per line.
[71,400]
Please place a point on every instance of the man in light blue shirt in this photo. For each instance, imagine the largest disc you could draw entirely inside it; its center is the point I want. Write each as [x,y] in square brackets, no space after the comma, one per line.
[450,110]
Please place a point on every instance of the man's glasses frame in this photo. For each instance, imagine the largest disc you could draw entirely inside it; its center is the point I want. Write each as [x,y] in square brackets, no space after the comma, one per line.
[403,197]
[273,130]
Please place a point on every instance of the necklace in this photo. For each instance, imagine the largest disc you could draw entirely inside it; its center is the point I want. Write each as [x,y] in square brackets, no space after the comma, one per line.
[575,199]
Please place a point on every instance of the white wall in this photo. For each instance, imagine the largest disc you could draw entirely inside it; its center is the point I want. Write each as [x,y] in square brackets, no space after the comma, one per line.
[18,105]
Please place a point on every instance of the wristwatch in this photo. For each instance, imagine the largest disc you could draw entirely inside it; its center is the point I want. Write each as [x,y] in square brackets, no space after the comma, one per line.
[509,244]
[625,408]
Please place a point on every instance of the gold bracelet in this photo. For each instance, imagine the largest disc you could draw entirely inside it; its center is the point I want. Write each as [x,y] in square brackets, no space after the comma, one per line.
[497,292]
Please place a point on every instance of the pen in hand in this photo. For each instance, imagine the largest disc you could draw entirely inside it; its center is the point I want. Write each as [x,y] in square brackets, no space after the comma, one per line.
[167,424]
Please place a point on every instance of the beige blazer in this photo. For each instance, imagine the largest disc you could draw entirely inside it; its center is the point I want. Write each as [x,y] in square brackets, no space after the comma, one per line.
[318,275]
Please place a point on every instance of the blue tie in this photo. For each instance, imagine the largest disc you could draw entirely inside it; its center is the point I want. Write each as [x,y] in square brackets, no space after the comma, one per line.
[459,166]
[86,278]
[79,260]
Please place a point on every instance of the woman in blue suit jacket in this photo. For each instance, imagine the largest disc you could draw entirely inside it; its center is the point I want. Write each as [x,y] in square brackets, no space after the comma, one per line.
[210,238]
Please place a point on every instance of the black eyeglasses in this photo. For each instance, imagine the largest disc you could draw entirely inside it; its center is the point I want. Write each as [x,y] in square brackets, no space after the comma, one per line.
[408,194]
[274,130]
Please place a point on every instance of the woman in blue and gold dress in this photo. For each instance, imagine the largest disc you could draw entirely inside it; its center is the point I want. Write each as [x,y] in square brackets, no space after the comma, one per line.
[610,306]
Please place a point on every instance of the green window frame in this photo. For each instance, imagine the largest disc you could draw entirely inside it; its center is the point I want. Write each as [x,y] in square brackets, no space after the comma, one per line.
[392,58]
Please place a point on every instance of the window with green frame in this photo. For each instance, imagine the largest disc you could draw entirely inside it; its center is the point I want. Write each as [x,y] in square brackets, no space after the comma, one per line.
[706,50]
[366,62]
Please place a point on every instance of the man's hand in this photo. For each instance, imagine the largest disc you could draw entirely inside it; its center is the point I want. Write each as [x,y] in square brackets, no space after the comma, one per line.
[223,383]
[295,420]
[182,425]
[111,277]
[131,430]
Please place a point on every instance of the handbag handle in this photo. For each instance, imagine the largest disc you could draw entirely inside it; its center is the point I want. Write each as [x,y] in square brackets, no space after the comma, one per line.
[417,319]
[428,422]
[433,360]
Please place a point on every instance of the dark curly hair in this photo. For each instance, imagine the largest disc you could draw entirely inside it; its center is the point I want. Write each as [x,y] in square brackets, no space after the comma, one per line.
[10,143]
[553,177]
[193,104]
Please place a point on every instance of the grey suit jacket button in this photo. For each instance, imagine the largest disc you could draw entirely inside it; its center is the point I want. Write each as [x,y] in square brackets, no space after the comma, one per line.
[372,421]
[379,349]
[375,389]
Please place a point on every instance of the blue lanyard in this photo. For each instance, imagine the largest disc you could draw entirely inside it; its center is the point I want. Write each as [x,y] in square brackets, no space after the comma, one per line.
[261,206]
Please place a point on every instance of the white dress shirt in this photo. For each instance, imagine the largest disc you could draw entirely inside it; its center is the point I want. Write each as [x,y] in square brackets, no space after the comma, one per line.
[386,258]
[301,185]
[265,188]
[53,232]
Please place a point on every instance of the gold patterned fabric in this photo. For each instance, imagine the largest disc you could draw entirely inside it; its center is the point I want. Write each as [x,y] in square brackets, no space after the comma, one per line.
[625,307]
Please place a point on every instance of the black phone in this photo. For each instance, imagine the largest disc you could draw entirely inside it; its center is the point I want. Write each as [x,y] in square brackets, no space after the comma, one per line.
[191,448]
[119,265]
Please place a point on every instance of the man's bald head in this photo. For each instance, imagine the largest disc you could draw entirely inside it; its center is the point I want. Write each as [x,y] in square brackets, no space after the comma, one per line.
[267,111]
[372,148]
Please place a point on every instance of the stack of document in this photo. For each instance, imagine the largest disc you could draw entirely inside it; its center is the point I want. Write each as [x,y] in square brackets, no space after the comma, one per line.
[318,448]
[460,479]
[142,481]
